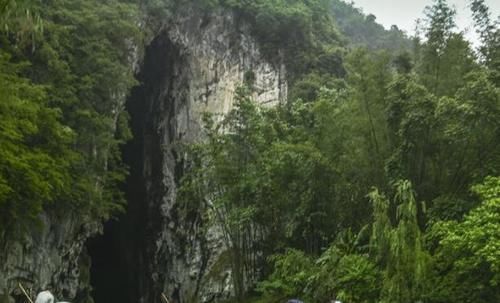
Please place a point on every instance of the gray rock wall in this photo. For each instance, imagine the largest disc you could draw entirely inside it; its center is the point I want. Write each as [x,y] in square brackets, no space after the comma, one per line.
[48,258]
[212,55]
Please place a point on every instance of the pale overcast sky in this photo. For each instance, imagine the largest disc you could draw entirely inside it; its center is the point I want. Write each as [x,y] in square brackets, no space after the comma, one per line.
[403,13]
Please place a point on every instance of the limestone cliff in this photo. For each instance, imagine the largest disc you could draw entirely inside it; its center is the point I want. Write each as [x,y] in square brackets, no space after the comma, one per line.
[193,64]
[48,258]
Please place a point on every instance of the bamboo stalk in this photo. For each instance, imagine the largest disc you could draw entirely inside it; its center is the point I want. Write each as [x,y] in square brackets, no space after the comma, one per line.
[24,291]
[162,295]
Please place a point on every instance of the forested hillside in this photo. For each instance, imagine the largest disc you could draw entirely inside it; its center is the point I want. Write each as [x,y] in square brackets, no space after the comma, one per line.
[363,30]
[377,181]
[377,186]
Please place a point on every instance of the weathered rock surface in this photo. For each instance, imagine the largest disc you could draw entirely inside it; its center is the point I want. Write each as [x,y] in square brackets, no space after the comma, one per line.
[49,258]
[203,59]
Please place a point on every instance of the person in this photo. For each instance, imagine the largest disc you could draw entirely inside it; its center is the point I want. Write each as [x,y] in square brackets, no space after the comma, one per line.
[46,297]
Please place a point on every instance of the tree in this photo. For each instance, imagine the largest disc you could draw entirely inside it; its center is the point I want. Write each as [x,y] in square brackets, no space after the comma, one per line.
[361,30]
[345,272]
[489,33]
[341,274]
[84,60]
[369,75]
[466,133]
[468,252]
[18,17]
[445,57]
[291,272]
[228,179]
[399,248]
[69,93]
[36,155]
[410,116]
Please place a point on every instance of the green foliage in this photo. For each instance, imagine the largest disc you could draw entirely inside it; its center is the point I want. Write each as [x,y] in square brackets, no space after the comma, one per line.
[233,149]
[440,21]
[286,185]
[357,280]
[489,32]
[36,155]
[301,32]
[399,247]
[62,108]
[344,272]
[430,118]
[410,120]
[468,253]
[86,51]
[337,273]
[17,18]
[363,31]
[259,164]
[439,143]
[381,227]
[369,76]
[446,57]
[290,276]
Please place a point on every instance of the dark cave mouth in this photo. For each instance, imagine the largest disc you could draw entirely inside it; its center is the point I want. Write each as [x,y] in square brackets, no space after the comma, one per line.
[119,256]
[108,273]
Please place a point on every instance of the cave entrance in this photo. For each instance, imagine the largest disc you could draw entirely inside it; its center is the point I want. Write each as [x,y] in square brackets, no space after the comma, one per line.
[121,258]
[108,272]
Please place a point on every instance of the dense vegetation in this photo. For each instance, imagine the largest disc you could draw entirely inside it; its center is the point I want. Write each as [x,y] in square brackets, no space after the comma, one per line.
[363,30]
[64,74]
[66,71]
[379,186]
[379,180]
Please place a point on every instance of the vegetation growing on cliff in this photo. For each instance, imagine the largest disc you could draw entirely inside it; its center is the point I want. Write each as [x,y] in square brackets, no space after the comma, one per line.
[68,64]
[377,182]
[373,187]
[65,72]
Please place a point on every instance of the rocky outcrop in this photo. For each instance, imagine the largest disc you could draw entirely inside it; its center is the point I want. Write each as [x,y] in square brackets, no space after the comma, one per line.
[49,258]
[193,65]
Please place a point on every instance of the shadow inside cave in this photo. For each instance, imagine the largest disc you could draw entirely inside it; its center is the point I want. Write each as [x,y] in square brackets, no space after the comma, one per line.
[121,257]
[108,272]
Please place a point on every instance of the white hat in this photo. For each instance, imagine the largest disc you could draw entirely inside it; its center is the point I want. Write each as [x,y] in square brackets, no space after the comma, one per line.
[46,297]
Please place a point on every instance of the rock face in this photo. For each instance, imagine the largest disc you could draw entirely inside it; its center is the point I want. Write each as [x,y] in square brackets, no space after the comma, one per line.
[52,257]
[193,65]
